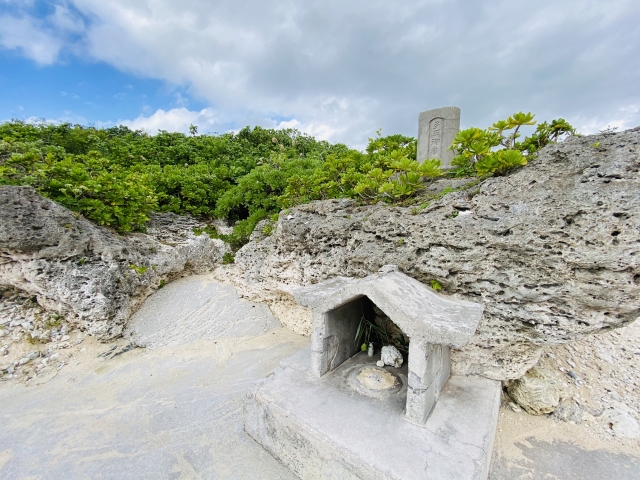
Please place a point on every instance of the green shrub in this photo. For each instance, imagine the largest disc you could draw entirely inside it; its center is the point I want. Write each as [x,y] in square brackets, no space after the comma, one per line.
[90,184]
[500,162]
[497,150]
[268,229]
[139,269]
[387,172]
[116,177]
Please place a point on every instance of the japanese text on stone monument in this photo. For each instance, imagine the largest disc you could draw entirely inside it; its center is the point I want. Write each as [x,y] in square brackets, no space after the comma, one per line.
[435,137]
[436,131]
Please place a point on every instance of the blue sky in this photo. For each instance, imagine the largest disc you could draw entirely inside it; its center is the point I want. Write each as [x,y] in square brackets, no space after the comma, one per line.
[337,70]
[81,92]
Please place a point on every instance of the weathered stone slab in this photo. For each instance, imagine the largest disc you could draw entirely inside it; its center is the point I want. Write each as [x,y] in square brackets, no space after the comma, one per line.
[436,130]
[429,370]
[332,340]
[421,313]
[322,430]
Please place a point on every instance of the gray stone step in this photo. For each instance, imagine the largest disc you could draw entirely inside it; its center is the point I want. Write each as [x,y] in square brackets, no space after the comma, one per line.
[321,430]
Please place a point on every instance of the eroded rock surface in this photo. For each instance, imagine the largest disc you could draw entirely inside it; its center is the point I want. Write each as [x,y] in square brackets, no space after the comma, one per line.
[88,274]
[538,391]
[390,355]
[552,250]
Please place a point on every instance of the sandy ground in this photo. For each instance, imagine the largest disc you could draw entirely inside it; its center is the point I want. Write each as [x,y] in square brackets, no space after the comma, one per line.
[114,412]
[578,441]
[600,375]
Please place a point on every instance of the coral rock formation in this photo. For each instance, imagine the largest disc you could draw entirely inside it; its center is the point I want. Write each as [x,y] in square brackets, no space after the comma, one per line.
[538,391]
[390,355]
[552,250]
[90,275]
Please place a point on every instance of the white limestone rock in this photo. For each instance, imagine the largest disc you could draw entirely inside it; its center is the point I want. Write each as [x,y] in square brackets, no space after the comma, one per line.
[622,422]
[90,275]
[551,249]
[390,355]
[538,392]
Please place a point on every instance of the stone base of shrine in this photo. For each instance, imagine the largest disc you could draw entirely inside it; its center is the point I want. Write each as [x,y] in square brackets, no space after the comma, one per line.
[334,427]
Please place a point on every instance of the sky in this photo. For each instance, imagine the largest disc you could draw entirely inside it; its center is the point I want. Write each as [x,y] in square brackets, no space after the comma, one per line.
[337,70]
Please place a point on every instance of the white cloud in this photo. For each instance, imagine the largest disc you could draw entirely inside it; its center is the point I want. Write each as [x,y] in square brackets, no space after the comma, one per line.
[320,131]
[210,120]
[27,35]
[65,20]
[40,39]
[626,117]
[66,117]
[340,70]
[175,120]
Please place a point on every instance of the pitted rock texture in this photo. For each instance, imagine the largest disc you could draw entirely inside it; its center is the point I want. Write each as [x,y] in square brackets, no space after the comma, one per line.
[89,274]
[552,250]
[538,392]
[390,355]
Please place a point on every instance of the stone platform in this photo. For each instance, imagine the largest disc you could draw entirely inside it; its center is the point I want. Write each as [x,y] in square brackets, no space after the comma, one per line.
[325,428]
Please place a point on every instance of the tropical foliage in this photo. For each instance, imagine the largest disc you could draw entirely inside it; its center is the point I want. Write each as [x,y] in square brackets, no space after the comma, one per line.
[497,150]
[116,176]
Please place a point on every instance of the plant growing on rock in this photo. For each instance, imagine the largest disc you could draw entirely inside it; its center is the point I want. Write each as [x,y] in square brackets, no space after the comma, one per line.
[139,269]
[116,177]
[547,133]
[408,176]
[500,162]
[497,150]
[387,172]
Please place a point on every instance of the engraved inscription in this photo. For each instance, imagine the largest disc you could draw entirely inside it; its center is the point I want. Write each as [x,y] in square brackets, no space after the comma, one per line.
[437,129]
[435,137]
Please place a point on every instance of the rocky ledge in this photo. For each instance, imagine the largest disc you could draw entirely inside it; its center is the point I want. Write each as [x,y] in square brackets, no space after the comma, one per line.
[552,250]
[90,276]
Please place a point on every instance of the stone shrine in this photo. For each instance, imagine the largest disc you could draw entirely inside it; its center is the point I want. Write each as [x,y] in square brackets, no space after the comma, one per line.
[330,411]
[432,322]
[436,130]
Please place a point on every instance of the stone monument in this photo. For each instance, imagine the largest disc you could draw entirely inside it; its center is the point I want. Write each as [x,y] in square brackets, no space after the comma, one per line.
[436,131]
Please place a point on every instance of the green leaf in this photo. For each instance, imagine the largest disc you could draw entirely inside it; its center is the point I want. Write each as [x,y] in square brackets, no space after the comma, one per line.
[500,126]
[519,119]
[386,187]
[431,168]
